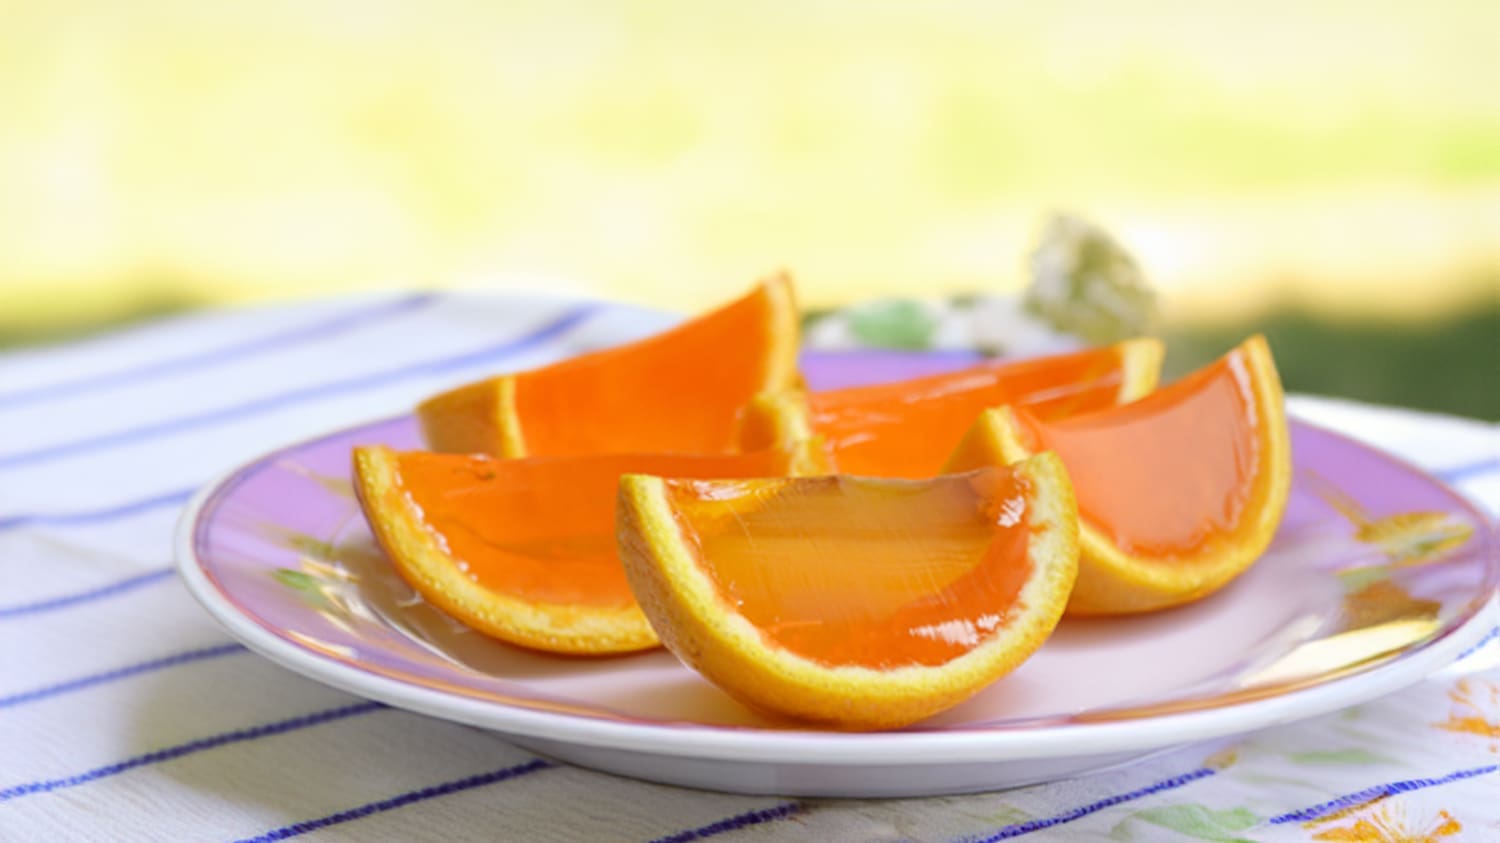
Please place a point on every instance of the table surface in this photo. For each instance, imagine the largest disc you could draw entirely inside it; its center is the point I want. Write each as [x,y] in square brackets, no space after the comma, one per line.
[127,714]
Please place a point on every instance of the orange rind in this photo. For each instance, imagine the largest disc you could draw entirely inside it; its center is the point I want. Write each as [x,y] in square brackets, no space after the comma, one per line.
[523,550]
[678,391]
[1178,493]
[908,429]
[857,603]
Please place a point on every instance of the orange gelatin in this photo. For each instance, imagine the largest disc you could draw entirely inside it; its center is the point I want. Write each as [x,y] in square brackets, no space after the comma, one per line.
[1178,493]
[908,429]
[1168,474]
[678,391]
[543,529]
[860,603]
[861,571]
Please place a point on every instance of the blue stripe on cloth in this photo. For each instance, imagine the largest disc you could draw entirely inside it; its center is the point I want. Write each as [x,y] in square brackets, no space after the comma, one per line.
[172,752]
[734,823]
[408,798]
[1469,471]
[302,333]
[488,354]
[1369,793]
[94,516]
[1479,645]
[1030,826]
[98,593]
[79,684]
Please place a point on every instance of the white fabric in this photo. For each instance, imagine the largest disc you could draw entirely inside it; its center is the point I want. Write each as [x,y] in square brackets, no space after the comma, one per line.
[76,743]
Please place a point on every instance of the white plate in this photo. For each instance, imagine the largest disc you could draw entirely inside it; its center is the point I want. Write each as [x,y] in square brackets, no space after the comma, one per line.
[1356,598]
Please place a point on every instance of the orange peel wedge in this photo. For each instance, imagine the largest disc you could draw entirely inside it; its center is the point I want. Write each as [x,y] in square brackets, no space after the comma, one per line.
[523,550]
[678,391]
[1178,493]
[908,428]
[861,624]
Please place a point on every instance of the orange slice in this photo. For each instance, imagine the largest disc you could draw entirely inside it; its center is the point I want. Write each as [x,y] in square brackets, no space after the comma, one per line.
[1178,493]
[861,603]
[524,549]
[908,429]
[678,391]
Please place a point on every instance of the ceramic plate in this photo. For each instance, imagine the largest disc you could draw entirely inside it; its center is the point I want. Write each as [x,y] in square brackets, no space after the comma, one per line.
[1378,576]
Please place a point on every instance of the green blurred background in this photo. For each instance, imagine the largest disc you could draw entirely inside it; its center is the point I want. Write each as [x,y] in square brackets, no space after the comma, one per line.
[1326,172]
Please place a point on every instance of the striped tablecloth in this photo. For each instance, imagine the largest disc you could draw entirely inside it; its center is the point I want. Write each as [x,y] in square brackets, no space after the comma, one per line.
[127,714]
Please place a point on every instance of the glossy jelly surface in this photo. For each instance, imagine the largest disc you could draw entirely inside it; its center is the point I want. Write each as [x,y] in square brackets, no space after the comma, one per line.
[908,429]
[677,392]
[857,571]
[1168,474]
[543,528]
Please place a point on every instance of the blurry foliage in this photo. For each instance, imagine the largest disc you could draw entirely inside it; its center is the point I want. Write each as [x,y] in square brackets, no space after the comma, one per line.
[892,323]
[668,152]
[150,303]
[1450,364]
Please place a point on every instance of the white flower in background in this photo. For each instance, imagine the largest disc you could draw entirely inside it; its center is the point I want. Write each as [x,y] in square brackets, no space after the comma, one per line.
[1003,326]
[1085,289]
[830,332]
[954,328]
[1083,282]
